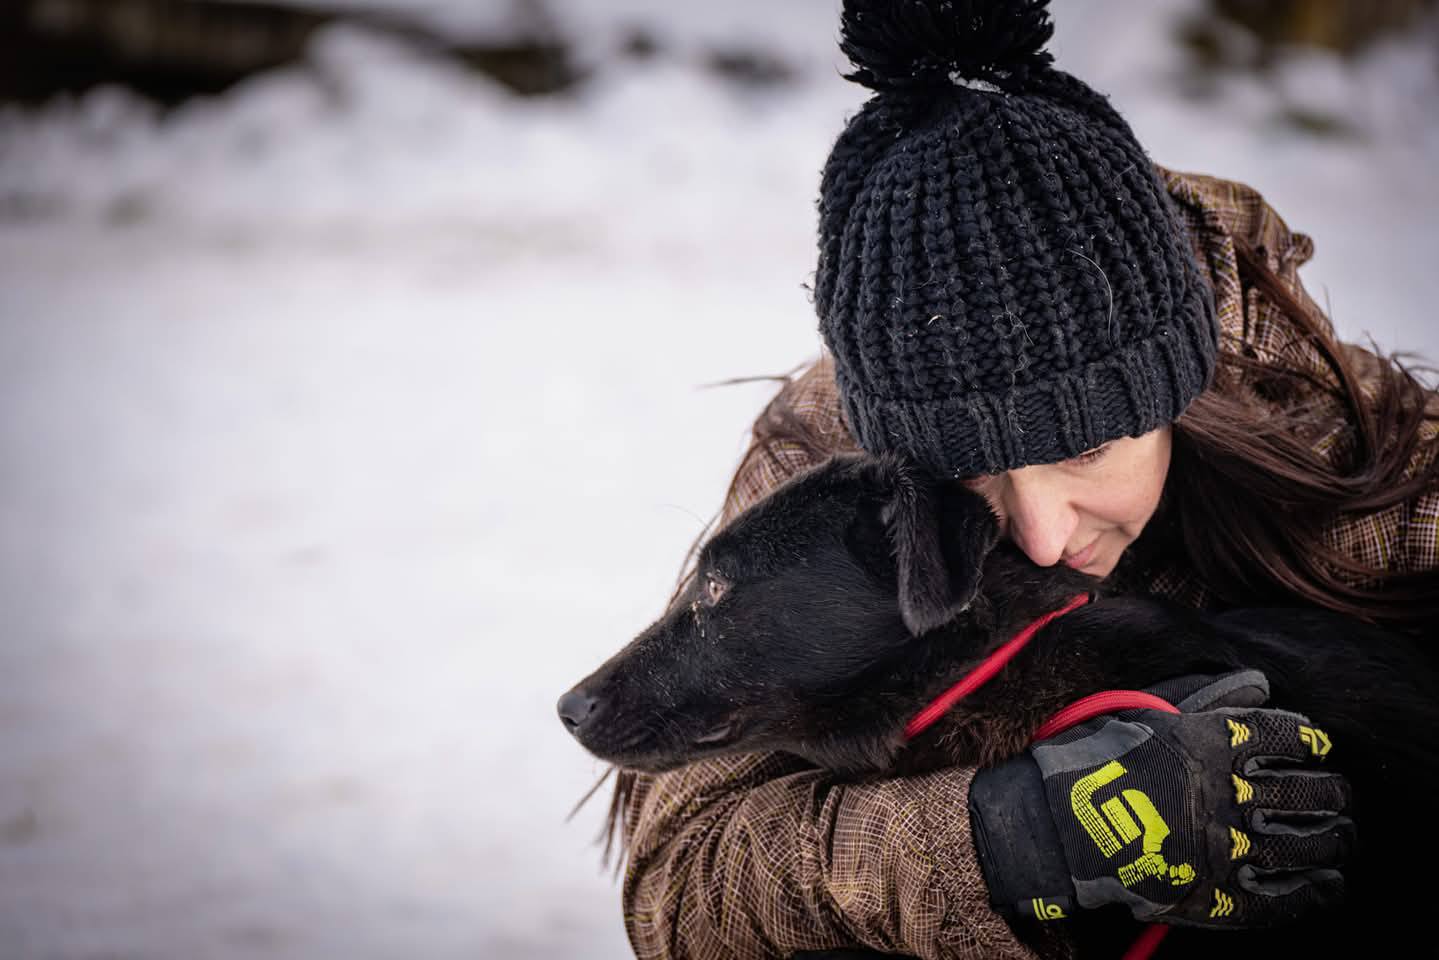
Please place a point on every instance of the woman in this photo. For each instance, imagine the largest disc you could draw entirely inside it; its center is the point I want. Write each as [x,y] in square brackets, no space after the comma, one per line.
[1122,359]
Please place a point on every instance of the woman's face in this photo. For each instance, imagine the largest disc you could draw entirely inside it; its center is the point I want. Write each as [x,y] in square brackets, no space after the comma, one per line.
[1084,511]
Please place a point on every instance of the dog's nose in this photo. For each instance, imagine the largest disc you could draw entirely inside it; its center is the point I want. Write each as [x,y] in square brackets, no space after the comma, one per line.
[574,707]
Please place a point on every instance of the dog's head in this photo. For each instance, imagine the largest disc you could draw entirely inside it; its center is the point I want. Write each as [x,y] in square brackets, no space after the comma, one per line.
[791,607]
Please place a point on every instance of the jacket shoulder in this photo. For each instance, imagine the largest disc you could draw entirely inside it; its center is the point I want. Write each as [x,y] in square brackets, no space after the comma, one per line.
[1237,210]
[801,427]
[1229,221]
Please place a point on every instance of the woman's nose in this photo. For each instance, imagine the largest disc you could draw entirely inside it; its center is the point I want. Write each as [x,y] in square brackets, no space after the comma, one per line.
[1038,518]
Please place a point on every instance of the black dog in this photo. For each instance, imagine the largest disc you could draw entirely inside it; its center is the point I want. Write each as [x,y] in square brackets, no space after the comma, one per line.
[828,615]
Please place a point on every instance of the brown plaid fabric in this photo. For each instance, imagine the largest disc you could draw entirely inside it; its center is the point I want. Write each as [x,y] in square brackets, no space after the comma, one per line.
[759,856]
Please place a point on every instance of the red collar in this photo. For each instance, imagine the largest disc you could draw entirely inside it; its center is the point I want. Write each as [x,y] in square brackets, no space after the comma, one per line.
[983,673]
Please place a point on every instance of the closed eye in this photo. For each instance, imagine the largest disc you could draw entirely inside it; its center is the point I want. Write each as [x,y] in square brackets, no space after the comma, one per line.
[1089,456]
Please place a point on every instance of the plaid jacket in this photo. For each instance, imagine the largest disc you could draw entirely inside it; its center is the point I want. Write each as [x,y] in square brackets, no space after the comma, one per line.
[761,856]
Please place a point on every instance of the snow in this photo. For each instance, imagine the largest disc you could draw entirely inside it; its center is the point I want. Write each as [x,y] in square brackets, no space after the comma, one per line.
[350,417]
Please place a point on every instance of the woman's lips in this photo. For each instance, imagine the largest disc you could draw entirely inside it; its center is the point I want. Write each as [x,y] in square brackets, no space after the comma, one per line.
[1082,558]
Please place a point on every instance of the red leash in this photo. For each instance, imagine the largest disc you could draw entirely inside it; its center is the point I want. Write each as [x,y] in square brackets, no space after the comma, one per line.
[985,672]
[1094,705]
[1098,704]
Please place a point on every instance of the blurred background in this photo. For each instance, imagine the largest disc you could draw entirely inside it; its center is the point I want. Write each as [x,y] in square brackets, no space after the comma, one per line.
[352,406]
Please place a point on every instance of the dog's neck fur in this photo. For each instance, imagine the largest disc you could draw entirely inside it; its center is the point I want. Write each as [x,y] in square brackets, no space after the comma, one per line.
[995,721]
[1014,592]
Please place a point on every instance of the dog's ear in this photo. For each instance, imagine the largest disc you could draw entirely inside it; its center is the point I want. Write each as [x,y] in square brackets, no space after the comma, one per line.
[940,532]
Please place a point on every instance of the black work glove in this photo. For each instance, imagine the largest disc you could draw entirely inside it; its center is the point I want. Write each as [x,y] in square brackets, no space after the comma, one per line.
[1219,816]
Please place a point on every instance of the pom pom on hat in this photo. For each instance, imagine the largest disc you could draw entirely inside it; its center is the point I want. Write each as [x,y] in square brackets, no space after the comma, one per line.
[911,44]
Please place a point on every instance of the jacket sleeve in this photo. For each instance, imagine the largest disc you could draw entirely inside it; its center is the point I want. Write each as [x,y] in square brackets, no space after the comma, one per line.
[754,856]
[762,856]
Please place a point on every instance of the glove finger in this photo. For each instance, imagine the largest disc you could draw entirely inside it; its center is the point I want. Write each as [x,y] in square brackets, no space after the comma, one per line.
[1266,898]
[1195,692]
[1257,897]
[1276,845]
[1262,739]
[1306,791]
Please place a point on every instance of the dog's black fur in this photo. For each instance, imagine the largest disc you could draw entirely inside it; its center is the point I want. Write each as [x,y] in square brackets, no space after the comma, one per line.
[828,615]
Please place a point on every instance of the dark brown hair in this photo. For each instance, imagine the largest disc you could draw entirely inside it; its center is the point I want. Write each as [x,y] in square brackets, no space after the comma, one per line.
[1281,446]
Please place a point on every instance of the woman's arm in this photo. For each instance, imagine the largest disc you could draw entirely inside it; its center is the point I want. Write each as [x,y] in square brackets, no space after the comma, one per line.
[757,857]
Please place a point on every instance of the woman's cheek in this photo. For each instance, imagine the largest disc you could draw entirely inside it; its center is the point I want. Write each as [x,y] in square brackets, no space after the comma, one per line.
[1137,484]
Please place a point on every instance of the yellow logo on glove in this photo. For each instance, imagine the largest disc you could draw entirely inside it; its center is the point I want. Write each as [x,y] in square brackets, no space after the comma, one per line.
[1317,741]
[1117,827]
[1238,733]
[1243,790]
[1241,844]
[1046,911]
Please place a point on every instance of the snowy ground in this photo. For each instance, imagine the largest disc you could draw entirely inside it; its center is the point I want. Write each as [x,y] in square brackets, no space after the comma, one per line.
[349,418]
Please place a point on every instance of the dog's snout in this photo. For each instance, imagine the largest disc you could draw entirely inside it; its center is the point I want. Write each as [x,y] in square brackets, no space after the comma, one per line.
[574,707]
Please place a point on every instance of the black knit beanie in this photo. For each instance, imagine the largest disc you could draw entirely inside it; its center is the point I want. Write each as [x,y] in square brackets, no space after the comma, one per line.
[1003,279]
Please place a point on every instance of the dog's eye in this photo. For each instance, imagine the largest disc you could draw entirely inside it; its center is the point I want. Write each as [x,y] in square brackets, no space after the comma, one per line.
[714,589]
